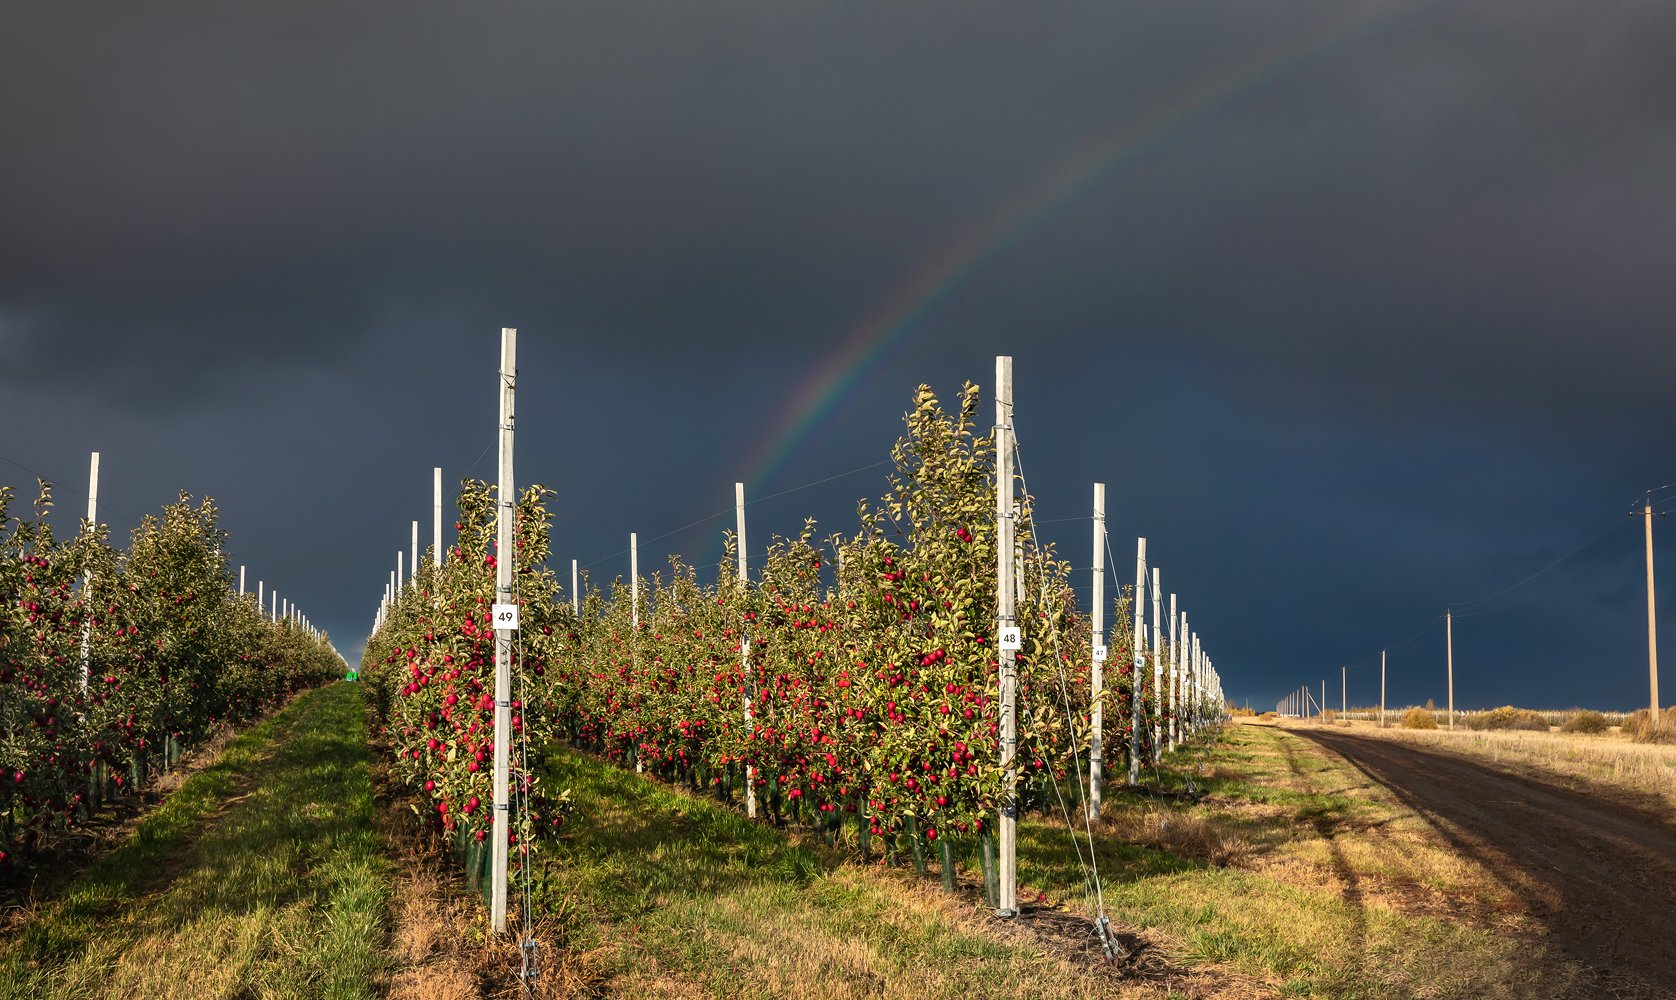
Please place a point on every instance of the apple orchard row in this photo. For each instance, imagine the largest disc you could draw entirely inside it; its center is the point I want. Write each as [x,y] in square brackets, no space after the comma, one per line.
[868,661]
[171,655]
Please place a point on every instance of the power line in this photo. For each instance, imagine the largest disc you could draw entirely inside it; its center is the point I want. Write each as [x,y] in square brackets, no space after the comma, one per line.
[1616,546]
[1475,607]
[55,481]
[748,503]
[1516,585]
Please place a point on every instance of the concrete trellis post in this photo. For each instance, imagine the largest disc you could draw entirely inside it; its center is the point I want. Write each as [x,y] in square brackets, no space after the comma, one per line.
[1157,675]
[1008,637]
[744,643]
[241,581]
[1197,676]
[1138,613]
[1097,659]
[436,517]
[1019,592]
[1186,681]
[413,556]
[1175,679]
[634,579]
[506,499]
[575,593]
[87,578]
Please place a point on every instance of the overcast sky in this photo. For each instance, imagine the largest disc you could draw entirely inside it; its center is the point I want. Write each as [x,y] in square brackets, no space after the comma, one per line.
[1361,309]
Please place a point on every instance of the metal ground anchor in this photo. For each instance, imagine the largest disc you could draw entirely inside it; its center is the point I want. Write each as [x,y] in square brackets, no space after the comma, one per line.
[529,972]
[1103,930]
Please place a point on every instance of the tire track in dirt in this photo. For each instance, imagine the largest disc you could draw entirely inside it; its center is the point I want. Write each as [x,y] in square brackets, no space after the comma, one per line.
[1597,876]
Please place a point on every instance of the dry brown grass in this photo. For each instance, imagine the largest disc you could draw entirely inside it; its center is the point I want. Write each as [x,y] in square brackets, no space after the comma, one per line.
[1642,775]
[1202,836]
[1639,726]
[439,944]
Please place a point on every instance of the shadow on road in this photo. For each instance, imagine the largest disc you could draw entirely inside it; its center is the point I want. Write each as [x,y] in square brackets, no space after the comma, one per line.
[1596,876]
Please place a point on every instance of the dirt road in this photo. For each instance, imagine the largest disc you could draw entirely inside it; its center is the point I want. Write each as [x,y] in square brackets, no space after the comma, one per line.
[1599,876]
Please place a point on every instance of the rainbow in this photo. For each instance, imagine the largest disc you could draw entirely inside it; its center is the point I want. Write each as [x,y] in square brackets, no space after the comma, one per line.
[953,266]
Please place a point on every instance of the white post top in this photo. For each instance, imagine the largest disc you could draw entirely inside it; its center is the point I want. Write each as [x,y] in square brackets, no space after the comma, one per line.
[93,489]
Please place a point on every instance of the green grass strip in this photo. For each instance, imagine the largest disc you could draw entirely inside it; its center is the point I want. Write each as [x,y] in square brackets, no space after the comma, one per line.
[1296,931]
[261,876]
[675,895]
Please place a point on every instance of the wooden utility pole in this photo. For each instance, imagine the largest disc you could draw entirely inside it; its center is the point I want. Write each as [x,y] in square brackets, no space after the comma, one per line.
[506,498]
[1097,660]
[1157,674]
[1382,689]
[1449,638]
[745,644]
[1008,639]
[1344,692]
[1323,700]
[1652,621]
[1136,692]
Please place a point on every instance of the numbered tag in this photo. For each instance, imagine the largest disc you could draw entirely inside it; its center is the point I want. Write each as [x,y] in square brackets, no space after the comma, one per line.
[1099,654]
[1012,639]
[506,617]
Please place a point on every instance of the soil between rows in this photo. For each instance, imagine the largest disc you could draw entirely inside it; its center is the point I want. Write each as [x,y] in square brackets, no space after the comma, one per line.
[1597,876]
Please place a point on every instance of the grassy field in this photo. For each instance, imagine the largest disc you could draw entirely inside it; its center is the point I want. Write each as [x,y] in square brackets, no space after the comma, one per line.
[261,876]
[1295,869]
[1639,774]
[662,894]
[1292,878]
[1264,866]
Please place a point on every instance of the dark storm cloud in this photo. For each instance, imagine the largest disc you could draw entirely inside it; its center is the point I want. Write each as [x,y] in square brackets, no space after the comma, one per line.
[1387,294]
[723,168]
